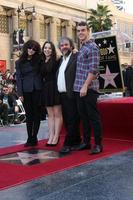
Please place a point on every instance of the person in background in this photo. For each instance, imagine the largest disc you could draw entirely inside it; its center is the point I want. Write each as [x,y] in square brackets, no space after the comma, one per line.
[86,89]
[29,86]
[50,94]
[129,80]
[124,68]
[11,89]
[3,112]
[9,78]
[13,93]
[9,99]
[65,81]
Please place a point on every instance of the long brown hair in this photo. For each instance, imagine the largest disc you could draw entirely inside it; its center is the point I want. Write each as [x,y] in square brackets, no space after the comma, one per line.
[53,59]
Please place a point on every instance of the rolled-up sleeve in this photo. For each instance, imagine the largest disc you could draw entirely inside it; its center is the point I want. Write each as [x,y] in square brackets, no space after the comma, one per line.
[94,59]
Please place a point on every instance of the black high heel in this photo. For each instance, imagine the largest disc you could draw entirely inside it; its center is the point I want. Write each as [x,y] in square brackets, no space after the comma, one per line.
[53,145]
[48,145]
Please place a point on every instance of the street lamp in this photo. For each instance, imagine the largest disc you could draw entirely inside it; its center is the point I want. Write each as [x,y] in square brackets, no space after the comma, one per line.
[21,11]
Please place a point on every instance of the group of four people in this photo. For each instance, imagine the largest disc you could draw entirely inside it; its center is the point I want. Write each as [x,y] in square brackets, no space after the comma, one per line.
[67,87]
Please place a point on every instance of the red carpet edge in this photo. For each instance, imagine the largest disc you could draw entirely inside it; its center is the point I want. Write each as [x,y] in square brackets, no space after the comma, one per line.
[13,175]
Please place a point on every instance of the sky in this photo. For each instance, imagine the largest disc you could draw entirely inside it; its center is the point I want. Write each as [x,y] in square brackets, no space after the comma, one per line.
[129,6]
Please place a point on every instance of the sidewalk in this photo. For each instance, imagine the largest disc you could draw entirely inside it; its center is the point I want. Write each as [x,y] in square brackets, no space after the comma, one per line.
[106,179]
[16,134]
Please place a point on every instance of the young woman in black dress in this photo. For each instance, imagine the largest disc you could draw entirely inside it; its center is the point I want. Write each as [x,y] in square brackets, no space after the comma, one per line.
[51,96]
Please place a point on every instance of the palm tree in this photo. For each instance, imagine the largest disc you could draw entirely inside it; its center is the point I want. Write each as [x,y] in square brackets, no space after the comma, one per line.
[100,19]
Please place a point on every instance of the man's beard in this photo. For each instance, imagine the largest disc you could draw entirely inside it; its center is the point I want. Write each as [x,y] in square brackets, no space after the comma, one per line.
[67,53]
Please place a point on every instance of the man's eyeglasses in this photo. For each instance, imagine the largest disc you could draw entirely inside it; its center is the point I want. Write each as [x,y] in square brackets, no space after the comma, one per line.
[5,90]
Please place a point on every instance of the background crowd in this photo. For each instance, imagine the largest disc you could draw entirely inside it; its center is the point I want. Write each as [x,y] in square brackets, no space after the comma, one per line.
[8,96]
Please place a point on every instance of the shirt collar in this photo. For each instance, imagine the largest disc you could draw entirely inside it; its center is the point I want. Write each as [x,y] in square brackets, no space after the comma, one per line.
[67,57]
[87,42]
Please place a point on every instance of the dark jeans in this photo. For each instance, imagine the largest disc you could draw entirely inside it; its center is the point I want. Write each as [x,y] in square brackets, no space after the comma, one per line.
[87,107]
[128,93]
[4,112]
[33,113]
[71,120]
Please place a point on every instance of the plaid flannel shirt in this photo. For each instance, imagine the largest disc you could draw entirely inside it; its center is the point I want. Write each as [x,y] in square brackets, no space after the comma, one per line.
[87,62]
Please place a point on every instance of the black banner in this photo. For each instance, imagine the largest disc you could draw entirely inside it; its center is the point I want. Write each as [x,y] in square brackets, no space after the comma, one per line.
[110,73]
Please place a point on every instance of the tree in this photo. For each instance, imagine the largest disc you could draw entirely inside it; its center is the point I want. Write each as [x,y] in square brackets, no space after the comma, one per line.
[100,19]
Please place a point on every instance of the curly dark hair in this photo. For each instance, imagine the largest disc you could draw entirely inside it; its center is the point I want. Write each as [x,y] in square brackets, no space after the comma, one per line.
[36,57]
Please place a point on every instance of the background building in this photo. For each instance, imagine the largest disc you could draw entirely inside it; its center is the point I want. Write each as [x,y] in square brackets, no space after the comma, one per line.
[120,4]
[53,19]
[123,29]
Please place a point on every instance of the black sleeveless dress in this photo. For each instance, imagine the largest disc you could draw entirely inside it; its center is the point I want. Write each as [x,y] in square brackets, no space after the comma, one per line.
[50,94]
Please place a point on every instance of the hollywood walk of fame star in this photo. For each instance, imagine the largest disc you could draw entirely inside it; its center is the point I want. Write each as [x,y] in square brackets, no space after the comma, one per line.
[26,157]
[111,49]
[109,77]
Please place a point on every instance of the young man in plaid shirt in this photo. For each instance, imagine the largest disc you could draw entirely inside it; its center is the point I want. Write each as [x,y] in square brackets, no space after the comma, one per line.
[86,87]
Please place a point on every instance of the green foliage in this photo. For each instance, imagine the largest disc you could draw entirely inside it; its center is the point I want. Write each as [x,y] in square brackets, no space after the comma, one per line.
[100,19]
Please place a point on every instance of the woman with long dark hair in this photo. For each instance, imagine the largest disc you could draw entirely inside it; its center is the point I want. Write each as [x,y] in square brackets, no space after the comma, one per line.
[51,96]
[29,86]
